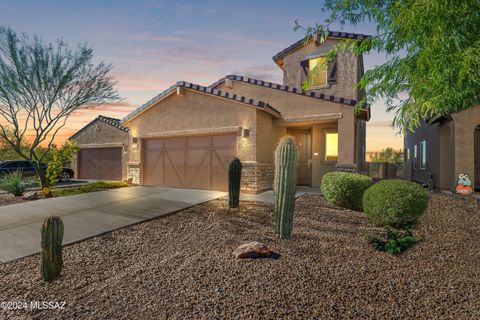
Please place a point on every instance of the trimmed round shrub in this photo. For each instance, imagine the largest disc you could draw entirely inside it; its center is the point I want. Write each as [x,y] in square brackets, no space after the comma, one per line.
[345,189]
[395,203]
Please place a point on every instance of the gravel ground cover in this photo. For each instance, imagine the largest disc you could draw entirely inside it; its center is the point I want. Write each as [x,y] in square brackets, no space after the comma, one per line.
[180,267]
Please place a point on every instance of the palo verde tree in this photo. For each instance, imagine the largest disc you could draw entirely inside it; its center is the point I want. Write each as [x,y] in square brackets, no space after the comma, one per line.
[432,49]
[41,85]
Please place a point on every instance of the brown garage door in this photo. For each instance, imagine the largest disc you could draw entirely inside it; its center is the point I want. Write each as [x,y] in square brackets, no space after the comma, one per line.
[198,162]
[100,164]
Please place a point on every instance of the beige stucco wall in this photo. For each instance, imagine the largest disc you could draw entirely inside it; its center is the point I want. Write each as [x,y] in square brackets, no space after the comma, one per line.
[347,69]
[295,105]
[195,113]
[102,135]
[465,124]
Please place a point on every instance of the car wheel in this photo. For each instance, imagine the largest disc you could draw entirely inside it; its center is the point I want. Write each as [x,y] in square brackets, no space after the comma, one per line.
[64,176]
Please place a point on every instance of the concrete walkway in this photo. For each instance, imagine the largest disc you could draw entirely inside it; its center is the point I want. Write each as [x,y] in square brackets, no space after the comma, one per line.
[267,196]
[89,214]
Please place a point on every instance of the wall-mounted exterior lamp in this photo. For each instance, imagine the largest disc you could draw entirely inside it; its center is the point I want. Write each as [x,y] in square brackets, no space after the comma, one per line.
[134,143]
[245,133]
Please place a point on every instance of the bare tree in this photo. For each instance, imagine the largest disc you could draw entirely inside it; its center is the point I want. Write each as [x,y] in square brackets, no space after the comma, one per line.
[41,85]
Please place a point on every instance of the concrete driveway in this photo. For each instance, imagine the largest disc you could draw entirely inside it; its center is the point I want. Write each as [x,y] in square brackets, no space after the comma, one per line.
[90,214]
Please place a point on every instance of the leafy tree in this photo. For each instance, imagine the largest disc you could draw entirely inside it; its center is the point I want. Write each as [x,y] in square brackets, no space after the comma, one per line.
[57,159]
[388,155]
[41,85]
[433,52]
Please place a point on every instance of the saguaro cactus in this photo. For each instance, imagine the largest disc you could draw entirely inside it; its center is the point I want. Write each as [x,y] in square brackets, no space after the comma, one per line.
[234,178]
[52,236]
[284,185]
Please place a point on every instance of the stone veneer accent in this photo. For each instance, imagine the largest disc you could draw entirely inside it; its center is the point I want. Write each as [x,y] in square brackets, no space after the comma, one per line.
[257,177]
[133,173]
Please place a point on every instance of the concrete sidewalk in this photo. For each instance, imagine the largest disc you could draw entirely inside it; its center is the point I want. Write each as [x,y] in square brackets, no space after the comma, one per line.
[90,214]
[267,196]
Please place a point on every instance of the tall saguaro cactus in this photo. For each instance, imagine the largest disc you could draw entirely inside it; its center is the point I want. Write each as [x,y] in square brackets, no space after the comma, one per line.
[52,236]
[234,178]
[284,185]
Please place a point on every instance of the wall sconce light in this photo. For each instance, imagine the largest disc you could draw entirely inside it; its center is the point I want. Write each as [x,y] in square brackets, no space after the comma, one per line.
[245,133]
[134,143]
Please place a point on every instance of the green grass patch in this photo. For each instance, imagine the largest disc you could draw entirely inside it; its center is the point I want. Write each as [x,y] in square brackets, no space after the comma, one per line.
[91,187]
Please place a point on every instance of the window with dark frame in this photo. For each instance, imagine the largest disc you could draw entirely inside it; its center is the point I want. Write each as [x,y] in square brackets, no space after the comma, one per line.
[423,154]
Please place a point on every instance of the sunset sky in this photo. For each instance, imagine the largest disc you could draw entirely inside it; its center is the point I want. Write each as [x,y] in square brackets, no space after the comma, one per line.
[152,44]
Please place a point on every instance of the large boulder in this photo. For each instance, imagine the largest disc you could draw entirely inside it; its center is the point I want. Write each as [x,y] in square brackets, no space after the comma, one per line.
[252,250]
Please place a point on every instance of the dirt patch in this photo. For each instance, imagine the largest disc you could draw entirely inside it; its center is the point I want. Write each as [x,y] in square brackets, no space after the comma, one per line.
[180,267]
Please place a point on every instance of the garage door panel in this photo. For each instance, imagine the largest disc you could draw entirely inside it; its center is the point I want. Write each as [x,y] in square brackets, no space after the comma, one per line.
[221,157]
[197,162]
[175,143]
[224,140]
[100,164]
[199,142]
[175,167]
[199,168]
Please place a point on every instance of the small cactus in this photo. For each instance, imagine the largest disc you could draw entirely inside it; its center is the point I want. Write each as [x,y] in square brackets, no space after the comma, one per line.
[234,178]
[285,185]
[52,236]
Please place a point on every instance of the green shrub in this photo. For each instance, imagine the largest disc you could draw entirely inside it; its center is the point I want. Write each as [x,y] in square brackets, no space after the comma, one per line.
[345,189]
[395,203]
[91,187]
[15,183]
[393,241]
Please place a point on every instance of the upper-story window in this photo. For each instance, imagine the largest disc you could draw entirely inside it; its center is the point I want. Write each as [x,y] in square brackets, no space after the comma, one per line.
[317,71]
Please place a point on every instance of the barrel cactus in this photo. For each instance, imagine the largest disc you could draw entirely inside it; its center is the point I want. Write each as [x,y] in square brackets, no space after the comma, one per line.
[234,177]
[52,236]
[285,185]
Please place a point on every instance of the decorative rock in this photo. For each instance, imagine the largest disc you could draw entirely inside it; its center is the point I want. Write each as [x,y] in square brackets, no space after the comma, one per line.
[251,250]
[31,195]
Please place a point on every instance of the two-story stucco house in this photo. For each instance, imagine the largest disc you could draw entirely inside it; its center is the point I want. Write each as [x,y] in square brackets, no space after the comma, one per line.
[186,136]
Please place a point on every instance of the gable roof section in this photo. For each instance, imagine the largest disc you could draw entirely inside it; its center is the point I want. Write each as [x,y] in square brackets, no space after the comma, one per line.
[332,34]
[208,90]
[272,85]
[110,121]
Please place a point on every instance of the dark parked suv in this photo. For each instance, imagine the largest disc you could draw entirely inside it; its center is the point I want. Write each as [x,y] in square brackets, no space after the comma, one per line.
[27,169]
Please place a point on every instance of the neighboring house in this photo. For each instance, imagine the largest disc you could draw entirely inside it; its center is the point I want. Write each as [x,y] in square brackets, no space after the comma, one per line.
[444,147]
[102,156]
[186,136]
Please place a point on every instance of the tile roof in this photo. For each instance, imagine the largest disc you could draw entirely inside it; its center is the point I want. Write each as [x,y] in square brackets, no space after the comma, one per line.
[208,90]
[108,120]
[332,34]
[309,93]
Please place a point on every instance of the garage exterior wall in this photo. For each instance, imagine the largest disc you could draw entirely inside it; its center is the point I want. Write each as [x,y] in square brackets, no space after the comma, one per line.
[190,114]
[102,135]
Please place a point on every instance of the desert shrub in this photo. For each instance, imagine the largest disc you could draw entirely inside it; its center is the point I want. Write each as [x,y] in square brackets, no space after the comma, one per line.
[15,183]
[345,189]
[395,203]
[393,241]
[91,187]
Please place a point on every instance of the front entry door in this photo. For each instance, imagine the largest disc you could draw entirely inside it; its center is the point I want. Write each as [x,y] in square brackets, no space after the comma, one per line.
[303,138]
[477,159]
